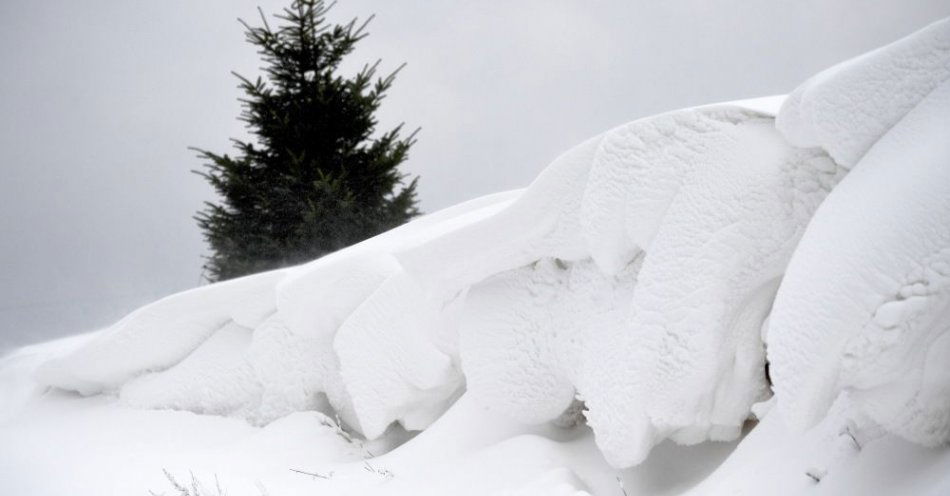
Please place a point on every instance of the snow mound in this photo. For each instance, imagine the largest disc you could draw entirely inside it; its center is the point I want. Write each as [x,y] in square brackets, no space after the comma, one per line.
[525,330]
[226,381]
[653,249]
[543,222]
[713,200]
[394,358]
[271,344]
[840,455]
[639,277]
[847,108]
[163,333]
[877,322]
[717,201]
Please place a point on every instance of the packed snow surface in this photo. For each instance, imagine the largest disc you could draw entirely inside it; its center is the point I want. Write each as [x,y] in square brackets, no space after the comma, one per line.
[668,282]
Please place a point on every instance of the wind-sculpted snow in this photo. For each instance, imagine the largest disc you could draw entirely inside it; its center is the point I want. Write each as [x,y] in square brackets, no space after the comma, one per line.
[877,321]
[217,361]
[723,205]
[410,339]
[163,333]
[635,273]
[847,108]
[525,330]
[271,344]
[543,222]
[715,202]
[327,309]
[636,276]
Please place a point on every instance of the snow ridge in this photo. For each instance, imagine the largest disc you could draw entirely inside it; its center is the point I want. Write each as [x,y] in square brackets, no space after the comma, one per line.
[847,108]
[882,239]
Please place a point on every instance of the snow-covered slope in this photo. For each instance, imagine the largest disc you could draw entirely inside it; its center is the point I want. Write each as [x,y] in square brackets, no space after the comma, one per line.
[623,304]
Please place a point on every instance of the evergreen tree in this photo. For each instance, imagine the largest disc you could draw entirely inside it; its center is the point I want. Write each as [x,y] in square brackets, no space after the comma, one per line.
[317,178]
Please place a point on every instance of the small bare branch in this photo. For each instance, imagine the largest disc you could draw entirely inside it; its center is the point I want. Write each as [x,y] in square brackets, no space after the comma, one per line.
[816,474]
[313,474]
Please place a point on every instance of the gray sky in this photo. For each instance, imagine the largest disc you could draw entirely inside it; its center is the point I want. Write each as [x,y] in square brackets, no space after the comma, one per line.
[99,101]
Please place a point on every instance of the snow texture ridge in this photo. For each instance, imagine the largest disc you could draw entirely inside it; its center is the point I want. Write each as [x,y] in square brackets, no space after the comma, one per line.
[847,108]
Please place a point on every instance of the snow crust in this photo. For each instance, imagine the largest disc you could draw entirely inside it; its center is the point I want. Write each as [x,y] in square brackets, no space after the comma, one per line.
[644,277]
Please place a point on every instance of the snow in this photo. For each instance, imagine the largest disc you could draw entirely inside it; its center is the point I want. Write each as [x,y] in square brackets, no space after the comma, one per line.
[543,221]
[161,334]
[584,336]
[780,460]
[525,331]
[59,443]
[877,320]
[226,381]
[667,186]
[304,353]
[391,360]
[717,201]
[260,348]
[847,108]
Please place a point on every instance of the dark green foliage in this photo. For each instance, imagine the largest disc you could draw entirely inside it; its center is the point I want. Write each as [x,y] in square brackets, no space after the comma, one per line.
[317,178]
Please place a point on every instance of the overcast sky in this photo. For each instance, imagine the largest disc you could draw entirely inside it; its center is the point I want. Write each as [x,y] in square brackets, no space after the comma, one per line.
[99,101]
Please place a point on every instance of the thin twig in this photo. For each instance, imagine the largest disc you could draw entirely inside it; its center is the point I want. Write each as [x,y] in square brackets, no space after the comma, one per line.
[313,474]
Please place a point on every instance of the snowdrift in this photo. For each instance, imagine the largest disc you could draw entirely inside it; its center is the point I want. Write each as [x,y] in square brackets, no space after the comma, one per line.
[646,275]
[875,323]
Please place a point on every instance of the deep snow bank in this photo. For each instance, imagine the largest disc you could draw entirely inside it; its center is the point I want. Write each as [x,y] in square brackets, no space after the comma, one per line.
[877,321]
[636,273]
[712,201]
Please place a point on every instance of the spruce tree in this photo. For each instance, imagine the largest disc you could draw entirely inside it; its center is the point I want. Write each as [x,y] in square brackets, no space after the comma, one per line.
[317,177]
